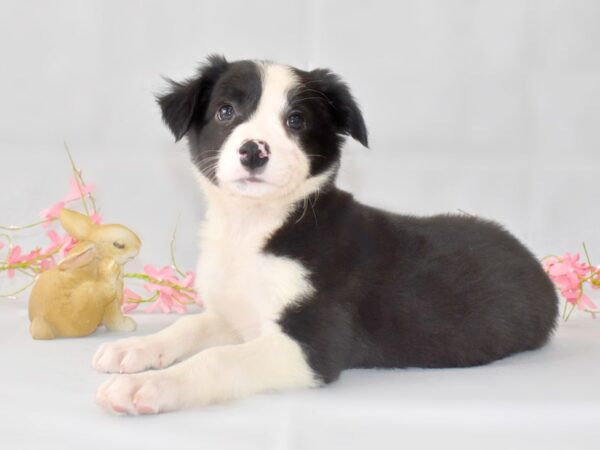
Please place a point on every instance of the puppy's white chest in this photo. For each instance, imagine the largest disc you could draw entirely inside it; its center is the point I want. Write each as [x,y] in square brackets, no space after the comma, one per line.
[248,287]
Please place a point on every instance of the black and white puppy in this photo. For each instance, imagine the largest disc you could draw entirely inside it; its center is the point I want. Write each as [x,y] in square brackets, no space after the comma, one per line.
[299,280]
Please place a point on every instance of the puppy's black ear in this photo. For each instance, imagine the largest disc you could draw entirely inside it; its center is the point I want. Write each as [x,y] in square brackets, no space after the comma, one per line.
[189,99]
[345,110]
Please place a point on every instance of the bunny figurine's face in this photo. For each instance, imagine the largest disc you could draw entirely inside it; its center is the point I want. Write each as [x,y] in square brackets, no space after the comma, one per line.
[116,242]
[112,241]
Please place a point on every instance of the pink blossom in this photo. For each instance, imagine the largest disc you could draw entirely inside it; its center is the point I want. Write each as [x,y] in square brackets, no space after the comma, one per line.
[165,274]
[51,213]
[189,282]
[31,256]
[76,190]
[569,275]
[57,241]
[170,298]
[1,245]
[165,297]
[96,218]
[66,242]
[164,302]
[585,302]
[69,244]
[48,263]
[596,278]
[14,257]
[128,305]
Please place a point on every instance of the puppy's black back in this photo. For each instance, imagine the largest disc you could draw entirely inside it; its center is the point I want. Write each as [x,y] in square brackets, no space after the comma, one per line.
[399,291]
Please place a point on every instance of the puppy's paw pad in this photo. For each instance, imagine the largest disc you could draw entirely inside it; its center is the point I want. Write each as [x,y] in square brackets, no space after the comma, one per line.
[144,409]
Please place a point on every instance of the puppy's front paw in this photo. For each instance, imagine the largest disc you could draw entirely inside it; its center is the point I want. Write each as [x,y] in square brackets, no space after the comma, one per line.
[144,393]
[132,355]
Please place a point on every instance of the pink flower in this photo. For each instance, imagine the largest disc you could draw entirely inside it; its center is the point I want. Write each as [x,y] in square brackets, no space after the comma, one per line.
[69,244]
[164,302]
[51,213]
[96,218]
[14,257]
[57,241]
[569,275]
[165,274]
[188,281]
[170,298]
[585,301]
[165,299]
[128,305]
[596,278]
[47,263]
[65,241]
[1,245]
[76,190]
[32,255]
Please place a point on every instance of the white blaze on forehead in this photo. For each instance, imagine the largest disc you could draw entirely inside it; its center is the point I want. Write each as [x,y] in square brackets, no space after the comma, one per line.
[278,80]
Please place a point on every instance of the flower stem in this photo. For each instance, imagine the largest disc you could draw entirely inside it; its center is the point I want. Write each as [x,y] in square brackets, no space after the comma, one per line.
[570,312]
[143,276]
[18,291]
[31,263]
[22,227]
[77,179]
[462,211]
[564,314]
[587,255]
[172,247]
[143,300]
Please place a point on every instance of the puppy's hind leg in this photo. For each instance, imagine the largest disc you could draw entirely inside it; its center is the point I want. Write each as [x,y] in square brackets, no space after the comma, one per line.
[188,335]
[269,362]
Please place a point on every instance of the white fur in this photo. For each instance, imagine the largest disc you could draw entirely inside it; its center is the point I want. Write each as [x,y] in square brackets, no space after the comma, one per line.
[271,361]
[242,349]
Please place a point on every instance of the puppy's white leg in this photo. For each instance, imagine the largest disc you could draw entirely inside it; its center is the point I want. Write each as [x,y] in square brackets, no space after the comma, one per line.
[185,337]
[269,362]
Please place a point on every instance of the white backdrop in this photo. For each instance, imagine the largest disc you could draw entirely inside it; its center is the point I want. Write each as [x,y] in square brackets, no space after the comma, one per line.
[492,107]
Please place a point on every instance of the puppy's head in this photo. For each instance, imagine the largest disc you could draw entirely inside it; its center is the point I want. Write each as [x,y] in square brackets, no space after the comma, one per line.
[258,129]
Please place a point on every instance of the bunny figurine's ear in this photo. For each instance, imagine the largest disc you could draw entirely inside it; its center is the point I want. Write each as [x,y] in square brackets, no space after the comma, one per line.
[81,255]
[76,224]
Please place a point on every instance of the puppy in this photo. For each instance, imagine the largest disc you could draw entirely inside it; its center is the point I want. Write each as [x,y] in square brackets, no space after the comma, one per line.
[299,280]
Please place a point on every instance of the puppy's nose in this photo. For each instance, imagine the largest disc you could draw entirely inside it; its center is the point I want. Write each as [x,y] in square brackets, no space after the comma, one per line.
[254,154]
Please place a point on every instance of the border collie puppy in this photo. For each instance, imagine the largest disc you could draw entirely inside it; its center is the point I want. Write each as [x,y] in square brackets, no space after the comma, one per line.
[299,280]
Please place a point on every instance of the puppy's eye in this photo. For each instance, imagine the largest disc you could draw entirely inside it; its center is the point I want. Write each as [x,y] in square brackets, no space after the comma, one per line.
[119,245]
[295,121]
[225,113]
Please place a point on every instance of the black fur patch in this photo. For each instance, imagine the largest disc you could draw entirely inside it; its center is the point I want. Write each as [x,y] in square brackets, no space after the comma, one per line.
[326,103]
[190,107]
[400,291]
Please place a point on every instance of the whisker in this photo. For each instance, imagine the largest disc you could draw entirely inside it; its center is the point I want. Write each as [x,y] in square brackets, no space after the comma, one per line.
[312,205]
[304,209]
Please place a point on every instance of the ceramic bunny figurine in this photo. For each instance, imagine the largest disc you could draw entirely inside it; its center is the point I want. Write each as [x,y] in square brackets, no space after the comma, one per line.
[85,289]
